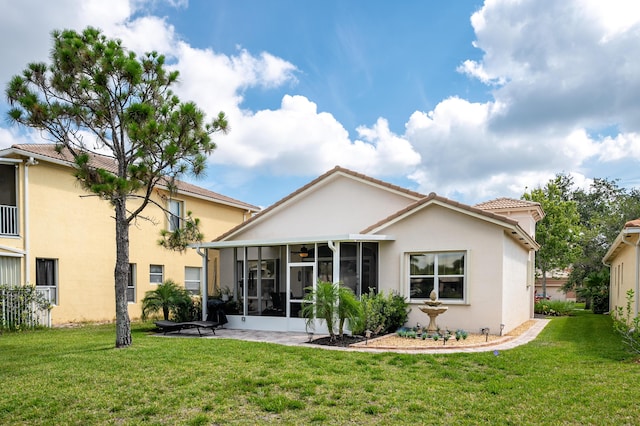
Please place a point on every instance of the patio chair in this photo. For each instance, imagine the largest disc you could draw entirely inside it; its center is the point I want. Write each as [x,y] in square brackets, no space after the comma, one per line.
[172,326]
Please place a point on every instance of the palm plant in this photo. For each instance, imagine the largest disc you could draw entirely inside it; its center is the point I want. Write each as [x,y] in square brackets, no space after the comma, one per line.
[330,303]
[595,290]
[167,297]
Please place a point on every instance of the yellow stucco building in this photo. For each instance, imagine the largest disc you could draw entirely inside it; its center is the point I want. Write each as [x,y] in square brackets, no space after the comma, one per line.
[62,239]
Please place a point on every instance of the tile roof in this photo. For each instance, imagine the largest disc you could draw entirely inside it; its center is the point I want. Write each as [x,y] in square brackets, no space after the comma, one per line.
[505,203]
[48,151]
[632,224]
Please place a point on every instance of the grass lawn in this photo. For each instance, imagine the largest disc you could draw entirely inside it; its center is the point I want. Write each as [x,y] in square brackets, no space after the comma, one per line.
[575,372]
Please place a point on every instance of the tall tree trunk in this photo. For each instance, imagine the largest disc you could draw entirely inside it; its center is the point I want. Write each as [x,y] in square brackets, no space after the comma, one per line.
[121,275]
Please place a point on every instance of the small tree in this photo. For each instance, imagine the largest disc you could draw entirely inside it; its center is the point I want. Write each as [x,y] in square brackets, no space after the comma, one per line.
[168,297]
[97,95]
[330,303]
[558,232]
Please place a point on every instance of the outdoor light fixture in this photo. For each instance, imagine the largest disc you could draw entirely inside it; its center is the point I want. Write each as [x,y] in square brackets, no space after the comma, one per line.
[304,252]
[485,331]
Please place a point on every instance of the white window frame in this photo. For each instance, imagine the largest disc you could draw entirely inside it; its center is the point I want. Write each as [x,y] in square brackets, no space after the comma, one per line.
[47,289]
[191,285]
[436,275]
[175,214]
[154,275]
[131,285]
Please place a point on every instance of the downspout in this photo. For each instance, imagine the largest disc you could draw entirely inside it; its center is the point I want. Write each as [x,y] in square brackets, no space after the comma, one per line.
[204,284]
[637,271]
[27,254]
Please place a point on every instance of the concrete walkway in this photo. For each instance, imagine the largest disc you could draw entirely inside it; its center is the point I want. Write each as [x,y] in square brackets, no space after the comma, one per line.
[298,339]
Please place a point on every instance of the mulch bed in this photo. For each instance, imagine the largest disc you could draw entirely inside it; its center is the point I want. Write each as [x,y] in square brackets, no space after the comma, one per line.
[342,342]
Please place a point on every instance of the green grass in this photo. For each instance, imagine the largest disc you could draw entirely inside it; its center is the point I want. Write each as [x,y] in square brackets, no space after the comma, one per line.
[575,372]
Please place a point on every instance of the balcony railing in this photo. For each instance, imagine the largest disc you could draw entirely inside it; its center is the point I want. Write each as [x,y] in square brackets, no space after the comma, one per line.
[9,220]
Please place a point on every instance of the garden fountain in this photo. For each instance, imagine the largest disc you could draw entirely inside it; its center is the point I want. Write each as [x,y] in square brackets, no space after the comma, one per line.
[433,309]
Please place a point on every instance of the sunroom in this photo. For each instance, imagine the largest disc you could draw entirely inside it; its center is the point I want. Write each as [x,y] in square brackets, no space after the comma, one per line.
[263,283]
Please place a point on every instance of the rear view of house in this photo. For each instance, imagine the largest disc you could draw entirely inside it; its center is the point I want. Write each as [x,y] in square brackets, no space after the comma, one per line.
[60,238]
[368,234]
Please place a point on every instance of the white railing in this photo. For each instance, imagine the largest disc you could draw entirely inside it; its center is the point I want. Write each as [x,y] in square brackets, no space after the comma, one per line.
[9,220]
[19,309]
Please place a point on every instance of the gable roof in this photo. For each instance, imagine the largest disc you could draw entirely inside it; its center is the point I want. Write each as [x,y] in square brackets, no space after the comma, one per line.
[336,171]
[419,201]
[47,152]
[504,204]
[516,230]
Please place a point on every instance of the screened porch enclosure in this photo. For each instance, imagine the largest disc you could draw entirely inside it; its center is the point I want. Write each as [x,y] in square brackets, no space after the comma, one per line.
[272,281]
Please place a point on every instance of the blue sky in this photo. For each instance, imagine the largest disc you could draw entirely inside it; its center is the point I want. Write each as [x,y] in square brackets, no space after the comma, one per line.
[472,100]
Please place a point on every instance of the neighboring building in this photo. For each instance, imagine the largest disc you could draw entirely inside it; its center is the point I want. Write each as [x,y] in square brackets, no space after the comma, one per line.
[62,239]
[555,281]
[623,259]
[348,227]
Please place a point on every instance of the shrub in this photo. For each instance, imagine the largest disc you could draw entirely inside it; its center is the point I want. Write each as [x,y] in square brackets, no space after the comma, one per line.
[169,298]
[627,325]
[554,307]
[382,313]
[189,310]
[20,307]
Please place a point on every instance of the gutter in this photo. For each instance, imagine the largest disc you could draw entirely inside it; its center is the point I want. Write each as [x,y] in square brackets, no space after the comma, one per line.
[27,258]
[203,282]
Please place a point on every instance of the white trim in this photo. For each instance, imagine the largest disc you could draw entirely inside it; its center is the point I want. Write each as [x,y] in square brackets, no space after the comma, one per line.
[10,160]
[296,240]
[13,252]
[517,232]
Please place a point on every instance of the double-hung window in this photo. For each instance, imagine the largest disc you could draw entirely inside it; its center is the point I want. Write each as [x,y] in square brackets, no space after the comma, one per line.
[175,215]
[443,272]
[156,274]
[47,278]
[192,279]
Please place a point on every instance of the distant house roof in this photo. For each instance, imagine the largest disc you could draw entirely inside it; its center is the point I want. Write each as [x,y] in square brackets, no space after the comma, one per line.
[504,203]
[48,152]
[632,224]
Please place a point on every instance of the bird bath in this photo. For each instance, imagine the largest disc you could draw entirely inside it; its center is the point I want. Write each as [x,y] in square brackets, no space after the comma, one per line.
[433,309]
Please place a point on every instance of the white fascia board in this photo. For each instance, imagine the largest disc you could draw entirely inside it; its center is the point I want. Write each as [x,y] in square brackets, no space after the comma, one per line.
[617,243]
[10,160]
[296,240]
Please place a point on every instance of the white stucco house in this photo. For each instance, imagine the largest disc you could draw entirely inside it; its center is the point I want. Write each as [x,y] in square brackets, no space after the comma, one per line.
[366,233]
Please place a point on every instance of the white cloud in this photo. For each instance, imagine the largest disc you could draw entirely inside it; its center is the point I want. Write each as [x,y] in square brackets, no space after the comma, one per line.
[559,71]
[296,139]
[620,147]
